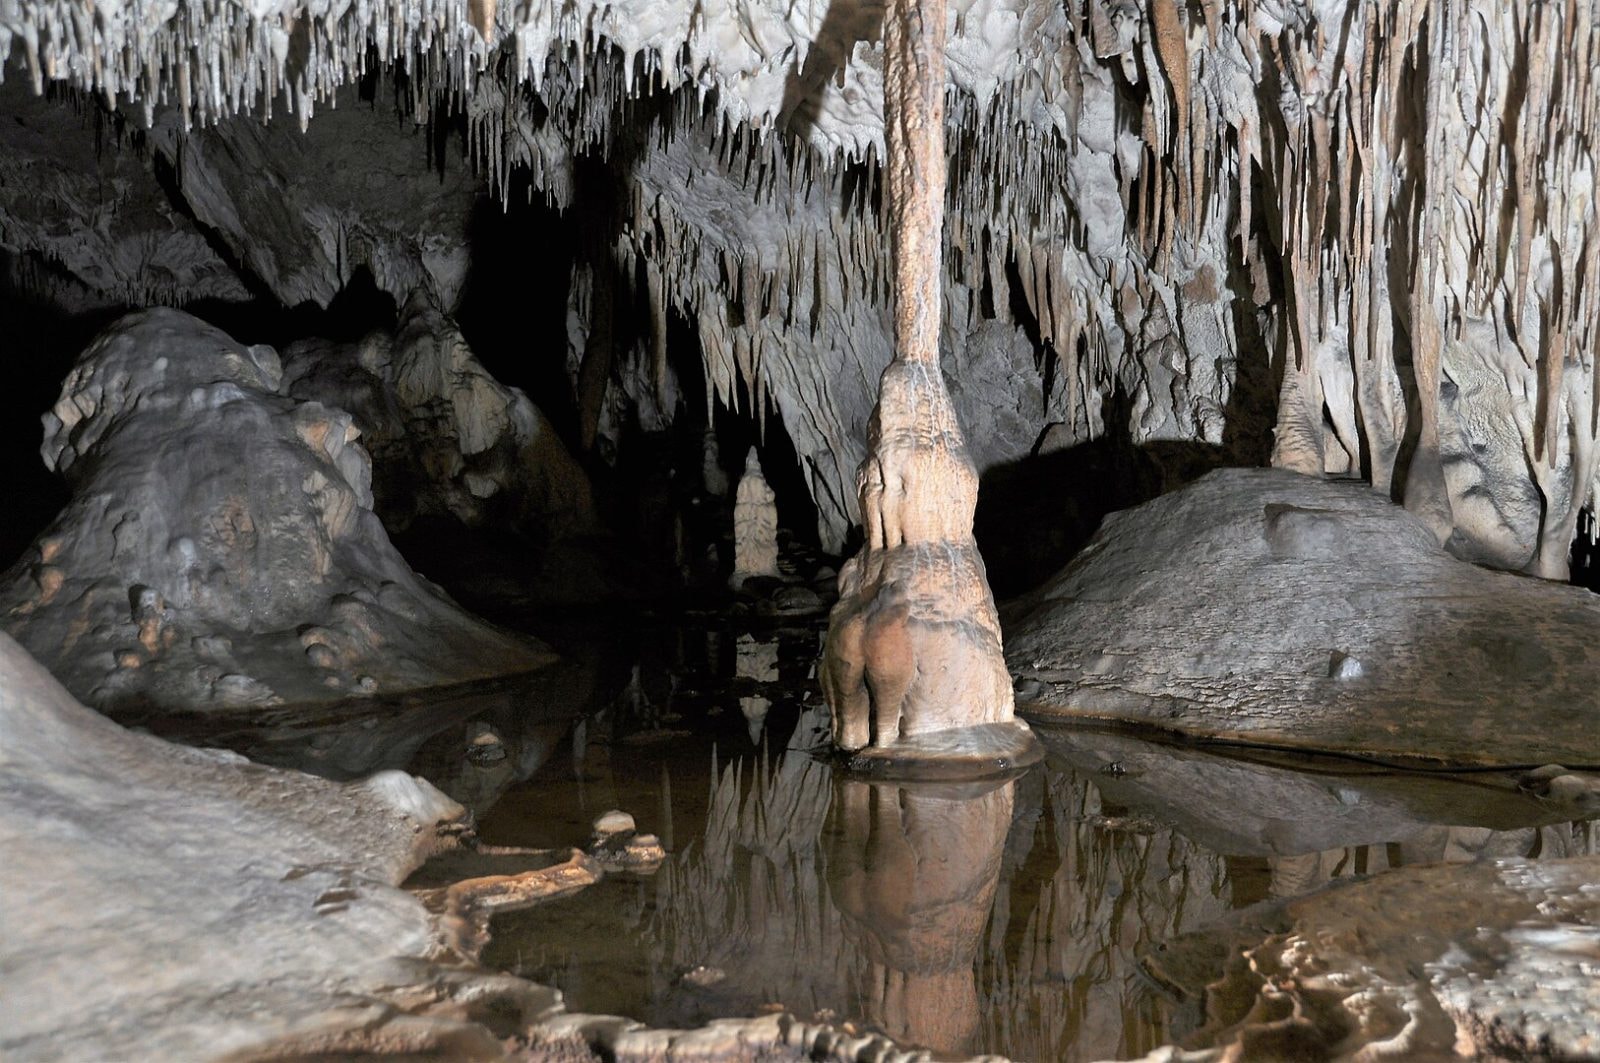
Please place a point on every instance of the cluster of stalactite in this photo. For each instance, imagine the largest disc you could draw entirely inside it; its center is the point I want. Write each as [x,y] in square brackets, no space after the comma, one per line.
[1390,200]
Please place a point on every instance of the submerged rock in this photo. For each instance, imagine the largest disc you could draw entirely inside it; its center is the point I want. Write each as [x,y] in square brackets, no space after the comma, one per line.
[220,548]
[1236,606]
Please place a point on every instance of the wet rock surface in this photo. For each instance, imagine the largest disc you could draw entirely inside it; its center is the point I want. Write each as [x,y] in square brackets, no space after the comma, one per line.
[1265,606]
[1486,960]
[220,549]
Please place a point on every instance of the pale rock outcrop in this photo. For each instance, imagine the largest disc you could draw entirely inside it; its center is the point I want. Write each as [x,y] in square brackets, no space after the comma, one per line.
[446,438]
[220,548]
[1264,605]
[755,525]
[166,902]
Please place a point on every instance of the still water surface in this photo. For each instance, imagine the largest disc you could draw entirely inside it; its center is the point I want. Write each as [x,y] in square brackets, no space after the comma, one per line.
[1009,917]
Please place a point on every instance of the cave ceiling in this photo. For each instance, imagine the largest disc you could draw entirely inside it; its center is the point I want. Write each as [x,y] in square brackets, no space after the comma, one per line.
[1349,238]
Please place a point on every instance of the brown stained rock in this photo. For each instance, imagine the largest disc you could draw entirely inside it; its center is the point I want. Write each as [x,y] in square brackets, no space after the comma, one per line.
[914,643]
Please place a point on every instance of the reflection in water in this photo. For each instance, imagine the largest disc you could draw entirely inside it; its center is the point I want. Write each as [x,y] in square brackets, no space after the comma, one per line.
[1009,919]
[472,741]
[913,870]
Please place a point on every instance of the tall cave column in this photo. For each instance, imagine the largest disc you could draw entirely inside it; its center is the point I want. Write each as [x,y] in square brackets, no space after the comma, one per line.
[912,669]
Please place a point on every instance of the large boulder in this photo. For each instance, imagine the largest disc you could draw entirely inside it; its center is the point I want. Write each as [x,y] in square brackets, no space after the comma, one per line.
[1267,606]
[220,547]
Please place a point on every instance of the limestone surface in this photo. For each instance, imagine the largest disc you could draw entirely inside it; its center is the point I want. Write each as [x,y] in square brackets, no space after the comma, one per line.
[446,438]
[220,548]
[1263,605]
[1486,960]
[165,902]
[755,524]
[1227,229]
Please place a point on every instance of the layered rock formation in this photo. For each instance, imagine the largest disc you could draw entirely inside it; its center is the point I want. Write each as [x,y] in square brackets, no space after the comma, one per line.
[220,547]
[1269,606]
[1182,225]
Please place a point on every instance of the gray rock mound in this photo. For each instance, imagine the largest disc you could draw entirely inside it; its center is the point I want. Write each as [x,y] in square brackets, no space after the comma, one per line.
[1263,605]
[220,547]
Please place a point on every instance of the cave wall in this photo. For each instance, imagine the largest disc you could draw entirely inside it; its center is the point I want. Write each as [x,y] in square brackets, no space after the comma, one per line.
[1369,226]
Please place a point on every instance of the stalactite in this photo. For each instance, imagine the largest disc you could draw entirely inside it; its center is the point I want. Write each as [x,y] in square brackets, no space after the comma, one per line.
[1094,221]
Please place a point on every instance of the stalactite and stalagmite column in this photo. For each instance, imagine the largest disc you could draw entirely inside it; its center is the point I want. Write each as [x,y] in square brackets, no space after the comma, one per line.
[913,669]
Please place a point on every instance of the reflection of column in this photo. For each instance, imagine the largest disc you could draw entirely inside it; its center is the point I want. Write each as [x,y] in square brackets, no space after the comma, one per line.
[756,659]
[913,868]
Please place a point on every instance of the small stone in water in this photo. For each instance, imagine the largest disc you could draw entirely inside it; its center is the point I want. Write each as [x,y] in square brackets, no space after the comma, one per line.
[614,822]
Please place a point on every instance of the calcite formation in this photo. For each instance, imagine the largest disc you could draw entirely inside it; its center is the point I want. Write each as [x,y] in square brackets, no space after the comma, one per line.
[220,548]
[755,524]
[914,643]
[267,895]
[1264,605]
[1368,227]
[446,438]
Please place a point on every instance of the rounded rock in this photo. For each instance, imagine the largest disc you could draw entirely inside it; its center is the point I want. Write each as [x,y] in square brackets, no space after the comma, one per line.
[615,821]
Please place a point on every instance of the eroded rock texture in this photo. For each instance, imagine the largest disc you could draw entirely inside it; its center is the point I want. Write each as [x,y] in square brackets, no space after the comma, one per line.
[446,438]
[1266,605]
[1485,960]
[220,547]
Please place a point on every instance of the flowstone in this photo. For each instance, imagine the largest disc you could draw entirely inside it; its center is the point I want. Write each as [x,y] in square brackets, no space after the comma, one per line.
[1266,606]
[220,548]
[913,669]
[1485,960]
[446,437]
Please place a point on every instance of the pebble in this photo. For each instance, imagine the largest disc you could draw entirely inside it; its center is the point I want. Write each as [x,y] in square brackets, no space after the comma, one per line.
[614,822]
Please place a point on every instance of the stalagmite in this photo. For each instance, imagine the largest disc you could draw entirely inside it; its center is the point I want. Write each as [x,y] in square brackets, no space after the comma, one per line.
[755,525]
[913,669]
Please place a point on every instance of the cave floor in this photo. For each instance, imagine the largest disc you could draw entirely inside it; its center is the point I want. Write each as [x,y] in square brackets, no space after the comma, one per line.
[1022,918]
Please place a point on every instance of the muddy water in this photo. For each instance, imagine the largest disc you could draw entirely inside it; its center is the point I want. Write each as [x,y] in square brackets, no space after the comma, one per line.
[1009,918]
